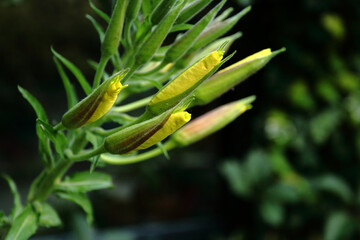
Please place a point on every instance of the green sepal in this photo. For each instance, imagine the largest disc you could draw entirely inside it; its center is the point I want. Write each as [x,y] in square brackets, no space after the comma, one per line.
[48,216]
[82,182]
[185,42]
[156,38]
[191,9]
[81,200]
[225,80]
[217,29]
[24,225]
[181,27]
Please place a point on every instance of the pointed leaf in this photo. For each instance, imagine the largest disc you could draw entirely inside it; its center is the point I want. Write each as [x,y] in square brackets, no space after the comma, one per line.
[74,70]
[58,138]
[85,181]
[97,27]
[99,12]
[17,200]
[49,217]
[81,200]
[35,104]
[69,88]
[23,226]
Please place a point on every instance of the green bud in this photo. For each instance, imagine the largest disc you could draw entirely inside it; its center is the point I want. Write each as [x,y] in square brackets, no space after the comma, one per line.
[229,77]
[184,43]
[114,30]
[161,10]
[156,38]
[132,10]
[217,29]
[211,122]
[96,104]
[191,10]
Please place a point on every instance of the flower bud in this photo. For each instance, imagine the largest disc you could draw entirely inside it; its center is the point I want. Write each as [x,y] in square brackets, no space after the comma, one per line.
[229,77]
[180,87]
[145,134]
[211,122]
[191,9]
[154,41]
[217,29]
[161,10]
[114,30]
[95,105]
[184,43]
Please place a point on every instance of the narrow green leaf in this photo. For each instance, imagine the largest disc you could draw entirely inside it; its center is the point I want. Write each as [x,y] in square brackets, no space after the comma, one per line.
[97,27]
[49,217]
[85,182]
[69,88]
[35,104]
[81,200]
[74,70]
[191,10]
[339,226]
[181,27]
[163,150]
[24,225]
[335,185]
[17,199]
[99,12]
[58,138]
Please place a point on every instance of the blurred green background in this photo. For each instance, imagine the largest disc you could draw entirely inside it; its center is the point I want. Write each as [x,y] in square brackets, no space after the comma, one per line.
[287,169]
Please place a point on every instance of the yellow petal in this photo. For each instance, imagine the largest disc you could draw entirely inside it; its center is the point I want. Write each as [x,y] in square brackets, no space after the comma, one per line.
[188,78]
[261,54]
[175,121]
[108,99]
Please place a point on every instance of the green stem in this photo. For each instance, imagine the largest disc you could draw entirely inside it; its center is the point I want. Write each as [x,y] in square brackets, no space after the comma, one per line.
[45,187]
[100,70]
[59,127]
[129,74]
[154,70]
[131,106]
[120,160]
[86,155]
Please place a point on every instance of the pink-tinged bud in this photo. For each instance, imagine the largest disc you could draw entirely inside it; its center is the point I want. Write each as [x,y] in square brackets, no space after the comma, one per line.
[211,122]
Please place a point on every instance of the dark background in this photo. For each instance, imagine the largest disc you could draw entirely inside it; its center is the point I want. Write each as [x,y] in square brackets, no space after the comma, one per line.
[287,169]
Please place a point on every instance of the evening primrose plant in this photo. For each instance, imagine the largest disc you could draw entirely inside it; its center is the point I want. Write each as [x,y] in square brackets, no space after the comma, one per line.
[135,61]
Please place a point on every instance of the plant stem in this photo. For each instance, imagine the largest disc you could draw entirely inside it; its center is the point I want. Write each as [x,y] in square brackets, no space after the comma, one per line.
[59,127]
[132,106]
[120,160]
[86,155]
[45,187]
[100,70]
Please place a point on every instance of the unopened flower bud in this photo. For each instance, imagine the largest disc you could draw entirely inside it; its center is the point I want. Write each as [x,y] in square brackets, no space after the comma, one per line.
[145,134]
[211,122]
[179,88]
[229,77]
[95,105]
